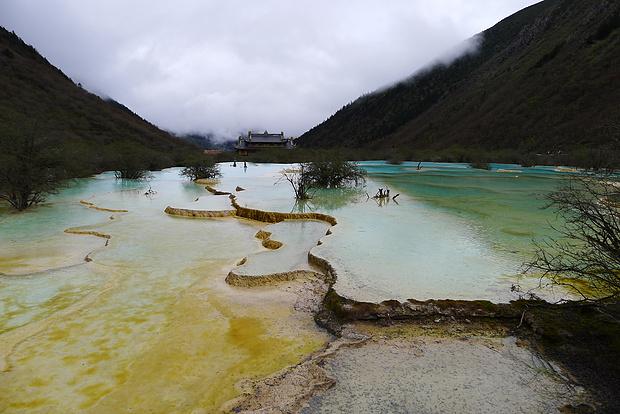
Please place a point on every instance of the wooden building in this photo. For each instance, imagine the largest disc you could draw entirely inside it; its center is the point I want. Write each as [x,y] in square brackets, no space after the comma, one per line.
[255,141]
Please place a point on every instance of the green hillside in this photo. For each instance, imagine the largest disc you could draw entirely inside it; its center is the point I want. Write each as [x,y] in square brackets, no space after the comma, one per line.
[544,79]
[37,98]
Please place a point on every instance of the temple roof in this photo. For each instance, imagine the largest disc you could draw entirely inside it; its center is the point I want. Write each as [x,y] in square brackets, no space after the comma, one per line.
[265,137]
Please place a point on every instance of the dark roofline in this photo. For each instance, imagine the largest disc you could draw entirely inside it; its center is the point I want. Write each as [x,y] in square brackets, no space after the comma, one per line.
[265,134]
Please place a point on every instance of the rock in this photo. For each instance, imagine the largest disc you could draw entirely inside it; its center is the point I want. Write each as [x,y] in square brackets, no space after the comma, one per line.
[262,234]
[216,191]
[271,244]
[577,409]
[239,189]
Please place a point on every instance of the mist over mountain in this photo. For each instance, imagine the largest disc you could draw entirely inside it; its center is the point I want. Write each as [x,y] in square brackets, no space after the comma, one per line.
[225,67]
[544,79]
[210,141]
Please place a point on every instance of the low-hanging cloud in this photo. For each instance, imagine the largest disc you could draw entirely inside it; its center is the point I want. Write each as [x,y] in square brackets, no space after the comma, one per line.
[228,66]
[467,47]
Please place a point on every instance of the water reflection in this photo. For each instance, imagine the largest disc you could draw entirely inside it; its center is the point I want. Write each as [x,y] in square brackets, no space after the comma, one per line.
[331,199]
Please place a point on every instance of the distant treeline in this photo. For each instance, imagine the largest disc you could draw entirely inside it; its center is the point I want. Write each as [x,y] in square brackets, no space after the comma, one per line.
[594,159]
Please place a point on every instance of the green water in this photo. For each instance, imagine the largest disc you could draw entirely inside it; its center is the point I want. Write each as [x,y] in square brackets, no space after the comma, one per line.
[454,232]
[150,307]
[507,207]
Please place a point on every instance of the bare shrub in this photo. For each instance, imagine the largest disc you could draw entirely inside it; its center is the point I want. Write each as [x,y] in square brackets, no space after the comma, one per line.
[201,168]
[30,169]
[585,252]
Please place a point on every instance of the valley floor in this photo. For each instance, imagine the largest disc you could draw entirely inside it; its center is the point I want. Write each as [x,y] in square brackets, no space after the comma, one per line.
[139,317]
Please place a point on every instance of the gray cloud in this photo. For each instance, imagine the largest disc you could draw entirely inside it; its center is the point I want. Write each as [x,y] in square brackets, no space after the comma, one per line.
[226,66]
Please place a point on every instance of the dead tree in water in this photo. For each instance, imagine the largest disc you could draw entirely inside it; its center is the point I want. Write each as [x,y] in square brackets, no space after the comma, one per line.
[299,181]
[382,193]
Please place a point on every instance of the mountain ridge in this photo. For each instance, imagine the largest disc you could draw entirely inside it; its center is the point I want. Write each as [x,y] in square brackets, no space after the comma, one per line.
[542,79]
[36,97]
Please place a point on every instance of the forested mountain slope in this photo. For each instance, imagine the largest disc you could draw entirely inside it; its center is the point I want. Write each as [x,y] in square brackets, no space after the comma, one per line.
[37,98]
[544,79]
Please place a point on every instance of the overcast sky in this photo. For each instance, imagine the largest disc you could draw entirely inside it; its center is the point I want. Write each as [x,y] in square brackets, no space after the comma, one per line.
[230,65]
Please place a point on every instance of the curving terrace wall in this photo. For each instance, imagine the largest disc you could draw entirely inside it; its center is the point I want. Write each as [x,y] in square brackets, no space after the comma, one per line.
[337,310]
[185,212]
[73,230]
[276,217]
[269,279]
[95,207]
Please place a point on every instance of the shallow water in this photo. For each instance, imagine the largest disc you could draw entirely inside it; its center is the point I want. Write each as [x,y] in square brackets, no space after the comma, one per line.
[150,325]
[453,232]
[297,236]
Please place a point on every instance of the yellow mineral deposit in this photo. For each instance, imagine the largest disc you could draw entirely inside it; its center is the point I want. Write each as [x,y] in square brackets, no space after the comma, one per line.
[137,329]
[147,323]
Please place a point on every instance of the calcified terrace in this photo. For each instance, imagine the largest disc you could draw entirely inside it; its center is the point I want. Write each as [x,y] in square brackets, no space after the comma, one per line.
[106,301]
[334,304]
